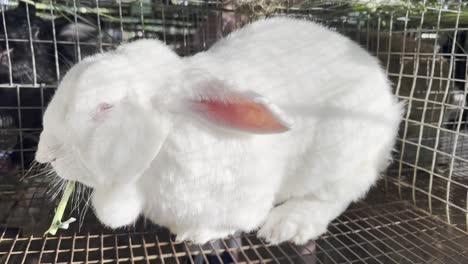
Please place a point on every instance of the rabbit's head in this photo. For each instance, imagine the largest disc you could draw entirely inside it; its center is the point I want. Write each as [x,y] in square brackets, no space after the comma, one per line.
[113,112]
[99,128]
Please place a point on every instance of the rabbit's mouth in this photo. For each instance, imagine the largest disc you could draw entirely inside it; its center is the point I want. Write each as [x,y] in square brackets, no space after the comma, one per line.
[59,170]
[73,170]
[62,170]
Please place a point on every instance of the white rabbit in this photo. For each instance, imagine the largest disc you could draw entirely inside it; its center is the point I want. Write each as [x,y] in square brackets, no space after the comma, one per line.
[282,112]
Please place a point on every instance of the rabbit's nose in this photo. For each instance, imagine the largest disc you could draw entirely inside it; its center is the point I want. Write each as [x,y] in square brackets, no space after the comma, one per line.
[44,154]
[48,148]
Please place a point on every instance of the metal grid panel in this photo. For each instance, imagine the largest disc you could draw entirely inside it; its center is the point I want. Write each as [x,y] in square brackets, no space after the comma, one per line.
[424,54]
[425,57]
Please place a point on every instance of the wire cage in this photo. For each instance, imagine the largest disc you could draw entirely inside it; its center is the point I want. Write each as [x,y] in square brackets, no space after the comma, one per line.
[418,212]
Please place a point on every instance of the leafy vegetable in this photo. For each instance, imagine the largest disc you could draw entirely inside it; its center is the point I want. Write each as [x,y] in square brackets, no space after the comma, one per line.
[57,220]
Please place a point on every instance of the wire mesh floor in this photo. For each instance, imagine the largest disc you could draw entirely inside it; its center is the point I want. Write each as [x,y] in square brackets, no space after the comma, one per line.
[376,230]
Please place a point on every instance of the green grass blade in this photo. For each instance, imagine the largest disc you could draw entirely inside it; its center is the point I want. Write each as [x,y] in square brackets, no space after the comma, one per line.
[57,220]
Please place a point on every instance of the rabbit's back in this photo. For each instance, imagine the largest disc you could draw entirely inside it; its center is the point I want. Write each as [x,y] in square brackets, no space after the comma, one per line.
[336,93]
[294,62]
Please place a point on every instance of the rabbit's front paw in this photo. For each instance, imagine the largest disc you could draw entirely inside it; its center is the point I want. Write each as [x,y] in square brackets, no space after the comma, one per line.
[292,222]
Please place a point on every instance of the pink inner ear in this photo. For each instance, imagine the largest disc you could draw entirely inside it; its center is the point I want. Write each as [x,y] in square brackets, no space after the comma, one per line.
[241,112]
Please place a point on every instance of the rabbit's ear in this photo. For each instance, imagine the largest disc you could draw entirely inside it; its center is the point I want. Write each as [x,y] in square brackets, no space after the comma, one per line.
[248,112]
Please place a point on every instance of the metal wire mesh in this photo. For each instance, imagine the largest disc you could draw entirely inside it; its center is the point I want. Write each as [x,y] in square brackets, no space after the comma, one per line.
[419,214]
[390,232]
[433,138]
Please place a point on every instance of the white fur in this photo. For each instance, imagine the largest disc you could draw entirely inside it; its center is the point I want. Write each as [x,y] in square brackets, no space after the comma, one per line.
[203,182]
